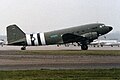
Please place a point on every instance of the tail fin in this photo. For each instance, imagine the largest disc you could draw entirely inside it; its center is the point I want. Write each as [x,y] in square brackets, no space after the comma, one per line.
[15,36]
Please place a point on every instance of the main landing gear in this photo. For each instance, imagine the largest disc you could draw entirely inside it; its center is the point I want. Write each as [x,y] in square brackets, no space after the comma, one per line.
[23,48]
[84,47]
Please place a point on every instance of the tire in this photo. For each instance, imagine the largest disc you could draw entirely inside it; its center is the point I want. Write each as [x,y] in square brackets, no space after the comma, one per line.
[84,47]
[23,48]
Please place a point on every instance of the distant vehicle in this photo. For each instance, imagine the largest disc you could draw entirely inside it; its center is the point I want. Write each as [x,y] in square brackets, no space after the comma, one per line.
[105,43]
[2,42]
[82,35]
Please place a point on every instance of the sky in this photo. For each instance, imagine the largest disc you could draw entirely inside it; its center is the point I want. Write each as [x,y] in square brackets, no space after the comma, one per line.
[47,15]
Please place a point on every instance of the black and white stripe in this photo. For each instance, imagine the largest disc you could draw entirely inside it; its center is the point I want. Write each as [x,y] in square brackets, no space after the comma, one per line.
[39,40]
[32,40]
[35,39]
[42,38]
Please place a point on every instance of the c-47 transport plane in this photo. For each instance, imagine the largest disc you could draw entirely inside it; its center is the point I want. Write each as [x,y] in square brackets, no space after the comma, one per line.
[82,35]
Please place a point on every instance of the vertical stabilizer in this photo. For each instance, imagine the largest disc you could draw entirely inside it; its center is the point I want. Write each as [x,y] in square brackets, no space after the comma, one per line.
[15,36]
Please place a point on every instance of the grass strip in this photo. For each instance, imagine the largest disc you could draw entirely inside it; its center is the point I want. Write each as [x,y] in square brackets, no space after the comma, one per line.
[82,74]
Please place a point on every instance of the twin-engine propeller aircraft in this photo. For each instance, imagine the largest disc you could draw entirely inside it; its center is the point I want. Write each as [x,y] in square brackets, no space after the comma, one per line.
[82,35]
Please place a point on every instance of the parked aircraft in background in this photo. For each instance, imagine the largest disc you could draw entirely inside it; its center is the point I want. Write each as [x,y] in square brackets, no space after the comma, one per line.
[82,35]
[105,43]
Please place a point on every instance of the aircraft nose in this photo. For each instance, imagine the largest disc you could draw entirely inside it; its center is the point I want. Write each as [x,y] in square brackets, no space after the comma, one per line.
[110,28]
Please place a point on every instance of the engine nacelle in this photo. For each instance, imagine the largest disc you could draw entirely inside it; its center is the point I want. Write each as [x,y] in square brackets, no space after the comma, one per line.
[35,39]
[91,35]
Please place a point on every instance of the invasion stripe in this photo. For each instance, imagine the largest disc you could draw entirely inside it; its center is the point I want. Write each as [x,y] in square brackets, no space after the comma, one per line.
[42,37]
[28,38]
[32,39]
[35,39]
[38,37]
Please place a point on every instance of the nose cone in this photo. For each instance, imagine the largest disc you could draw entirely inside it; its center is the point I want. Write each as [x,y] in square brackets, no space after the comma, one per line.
[110,28]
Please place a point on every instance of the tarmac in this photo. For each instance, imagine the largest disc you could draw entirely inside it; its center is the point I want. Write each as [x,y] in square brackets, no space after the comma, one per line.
[54,47]
[10,60]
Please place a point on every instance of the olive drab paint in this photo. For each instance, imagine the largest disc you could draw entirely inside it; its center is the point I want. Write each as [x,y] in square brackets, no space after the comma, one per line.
[81,34]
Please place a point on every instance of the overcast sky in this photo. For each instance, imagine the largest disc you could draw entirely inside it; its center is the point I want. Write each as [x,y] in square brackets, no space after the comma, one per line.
[48,15]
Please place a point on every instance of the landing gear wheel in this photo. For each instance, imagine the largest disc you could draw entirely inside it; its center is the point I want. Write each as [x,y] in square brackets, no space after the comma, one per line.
[84,47]
[23,48]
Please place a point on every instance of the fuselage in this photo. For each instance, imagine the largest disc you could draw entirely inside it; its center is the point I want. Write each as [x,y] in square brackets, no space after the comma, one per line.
[89,31]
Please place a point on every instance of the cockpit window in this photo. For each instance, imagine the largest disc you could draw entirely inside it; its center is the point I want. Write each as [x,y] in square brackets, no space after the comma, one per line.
[101,26]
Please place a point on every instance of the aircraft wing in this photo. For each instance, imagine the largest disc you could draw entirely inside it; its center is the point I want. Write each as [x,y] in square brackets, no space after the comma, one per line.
[69,37]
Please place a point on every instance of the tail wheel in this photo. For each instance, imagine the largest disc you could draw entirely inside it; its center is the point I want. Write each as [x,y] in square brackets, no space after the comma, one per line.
[84,47]
[23,48]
